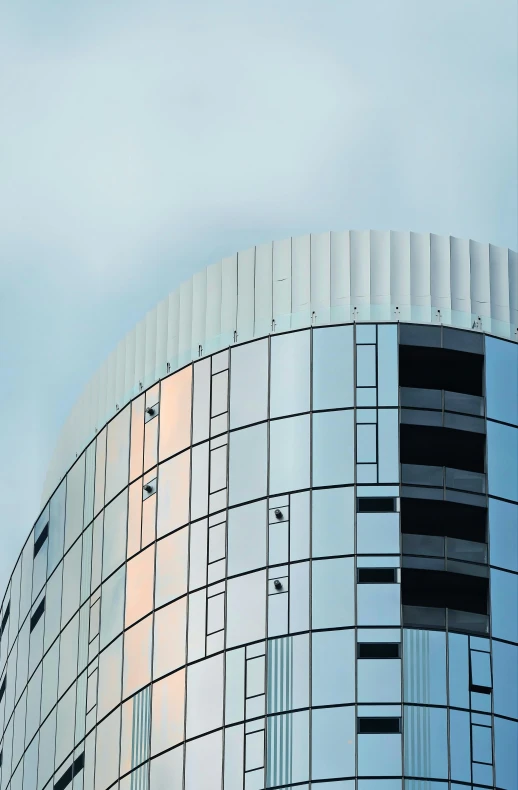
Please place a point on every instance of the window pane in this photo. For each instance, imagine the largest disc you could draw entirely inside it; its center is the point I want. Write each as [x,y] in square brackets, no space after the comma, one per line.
[287,749]
[426,742]
[333,368]
[333,736]
[366,451]
[167,770]
[203,762]
[502,460]
[506,765]
[137,437]
[505,679]
[458,670]
[201,401]
[246,608]
[332,522]
[379,755]
[289,387]
[56,530]
[171,567]
[502,396]
[167,728]
[247,464]
[333,448]
[366,366]
[504,605]
[110,678]
[173,494]
[175,413]
[424,666]
[114,544]
[332,669]
[117,454]
[204,696]
[75,501]
[503,532]
[137,656]
[379,680]
[249,384]
[288,673]
[388,446]
[378,604]
[112,607]
[71,581]
[169,644]
[333,593]
[387,365]
[247,537]
[377,533]
[289,454]
[107,751]
[460,745]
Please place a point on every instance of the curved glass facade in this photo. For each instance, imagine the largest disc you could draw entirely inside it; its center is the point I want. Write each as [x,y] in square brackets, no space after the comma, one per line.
[292,564]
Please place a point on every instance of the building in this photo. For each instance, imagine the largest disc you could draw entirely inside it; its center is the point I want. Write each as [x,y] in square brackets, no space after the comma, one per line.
[278,545]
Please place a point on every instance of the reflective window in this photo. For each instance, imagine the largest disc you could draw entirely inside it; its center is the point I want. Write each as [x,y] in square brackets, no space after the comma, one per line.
[204,696]
[167,728]
[333,737]
[379,680]
[426,742]
[112,607]
[249,384]
[137,437]
[502,460]
[388,444]
[288,673]
[49,687]
[71,581]
[289,454]
[173,494]
[246,608]
[506,765]
[107,750]
[167,770]
[332,522]
[379,755]
[333,368]
[56,527]
[503,533]
[203,762]
[150,444]
[366,366]
[290,762]
[198,555]
[75,501]
[169,639]
[65,725]
[333,448]
[117,454]
[200,481]
[171,567]
[110,678]
[53,607]
[290,376]
[100,470]
[247,537]
[460,746]
[299,526]
[332,668]
[333,593]
[68,655]
[458,670]
[377,533]
[502,393]
[366,450]
[114,543]
[424,666]
[46,752]
[387,365]
[504,605]
[175,413]
[505,679]
[247,464]
[137,656]
[378,604]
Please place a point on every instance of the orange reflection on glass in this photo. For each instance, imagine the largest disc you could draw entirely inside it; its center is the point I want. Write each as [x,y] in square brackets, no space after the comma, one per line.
[100,468]
[171,567]
[150,443]
[168,712]
[134,518]
[137,656]
[169,640]
[148,520]
[175,413]
[137,437]
[173,493]
[139,586]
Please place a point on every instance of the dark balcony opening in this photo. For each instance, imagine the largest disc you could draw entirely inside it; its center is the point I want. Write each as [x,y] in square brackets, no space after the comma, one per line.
[370,725]
[442,518]
[378,650]
[435,446]
[381,504]
[441,369]
[376,575]
[443,589]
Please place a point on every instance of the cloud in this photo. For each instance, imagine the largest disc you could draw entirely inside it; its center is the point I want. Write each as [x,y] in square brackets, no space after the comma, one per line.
[141,142]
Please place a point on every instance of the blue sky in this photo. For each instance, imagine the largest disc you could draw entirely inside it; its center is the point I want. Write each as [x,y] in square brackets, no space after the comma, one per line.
[140,142]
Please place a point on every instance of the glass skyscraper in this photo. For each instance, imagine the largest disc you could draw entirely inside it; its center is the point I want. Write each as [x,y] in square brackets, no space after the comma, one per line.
[278,544]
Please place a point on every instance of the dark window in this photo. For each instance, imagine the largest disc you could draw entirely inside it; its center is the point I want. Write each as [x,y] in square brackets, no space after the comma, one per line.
[376,575]
[69,774]
[378,649]
[5,618]
[441,369]
[382,504]
[436,446]
[38,543]
[442,518]
[36,615]
[371,725]
[2,687]
[444,589]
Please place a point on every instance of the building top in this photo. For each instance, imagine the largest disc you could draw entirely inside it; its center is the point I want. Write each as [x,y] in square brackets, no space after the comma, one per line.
[312,280]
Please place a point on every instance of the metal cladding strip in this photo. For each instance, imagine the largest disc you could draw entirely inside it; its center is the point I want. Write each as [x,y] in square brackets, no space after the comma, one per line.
[317,279]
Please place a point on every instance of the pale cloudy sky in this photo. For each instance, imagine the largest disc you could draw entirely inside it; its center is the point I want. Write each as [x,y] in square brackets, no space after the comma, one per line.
[141,141]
